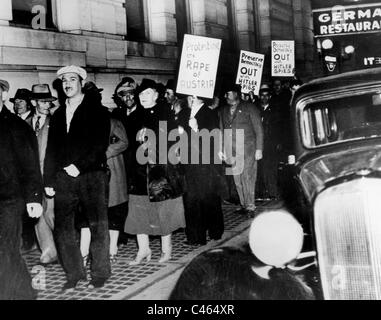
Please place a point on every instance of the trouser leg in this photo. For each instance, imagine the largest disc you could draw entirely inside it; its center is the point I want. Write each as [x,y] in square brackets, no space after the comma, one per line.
[214,216]
[44,233]
[270,164]
[15,280]
[66,206]
[249,176]
[93,195]
[239,187]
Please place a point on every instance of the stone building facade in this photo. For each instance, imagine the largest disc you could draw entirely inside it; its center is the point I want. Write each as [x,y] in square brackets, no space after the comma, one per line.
[141,38]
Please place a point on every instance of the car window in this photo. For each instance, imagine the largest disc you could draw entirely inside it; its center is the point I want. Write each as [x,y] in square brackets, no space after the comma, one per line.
[340,119]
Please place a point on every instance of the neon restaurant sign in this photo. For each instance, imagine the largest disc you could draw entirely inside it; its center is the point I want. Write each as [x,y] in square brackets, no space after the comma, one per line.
[343,20]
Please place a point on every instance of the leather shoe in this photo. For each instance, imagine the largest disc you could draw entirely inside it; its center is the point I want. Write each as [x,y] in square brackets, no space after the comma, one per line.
[96,283]
[48,263]
[70,285]
[241,211]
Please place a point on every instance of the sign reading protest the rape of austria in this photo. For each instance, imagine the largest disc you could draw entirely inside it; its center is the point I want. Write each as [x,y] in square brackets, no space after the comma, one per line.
[250,71]
[283,58]
[198,66]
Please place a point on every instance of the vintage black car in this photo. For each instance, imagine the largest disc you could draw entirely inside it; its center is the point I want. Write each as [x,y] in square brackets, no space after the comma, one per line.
[337,170]
[333,189]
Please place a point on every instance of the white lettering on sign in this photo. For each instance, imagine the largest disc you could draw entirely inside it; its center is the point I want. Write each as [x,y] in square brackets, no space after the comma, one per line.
[352,19]
[250,70]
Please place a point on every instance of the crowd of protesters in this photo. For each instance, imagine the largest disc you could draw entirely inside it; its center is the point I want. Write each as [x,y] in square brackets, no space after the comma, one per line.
[71,169]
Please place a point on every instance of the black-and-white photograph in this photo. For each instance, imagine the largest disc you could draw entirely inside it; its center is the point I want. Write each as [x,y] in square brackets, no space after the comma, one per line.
[190,150]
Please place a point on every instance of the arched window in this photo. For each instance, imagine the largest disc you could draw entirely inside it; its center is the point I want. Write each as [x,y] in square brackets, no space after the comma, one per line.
[33,14]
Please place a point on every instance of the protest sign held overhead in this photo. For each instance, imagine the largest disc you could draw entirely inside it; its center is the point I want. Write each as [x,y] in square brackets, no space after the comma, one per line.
[198,66]
[250,71]
[283,58]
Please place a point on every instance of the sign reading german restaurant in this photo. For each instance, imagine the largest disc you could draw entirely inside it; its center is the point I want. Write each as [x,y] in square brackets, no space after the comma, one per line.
[341,20]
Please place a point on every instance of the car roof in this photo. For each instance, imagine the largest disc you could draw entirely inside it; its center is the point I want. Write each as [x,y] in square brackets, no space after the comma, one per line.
[348,79]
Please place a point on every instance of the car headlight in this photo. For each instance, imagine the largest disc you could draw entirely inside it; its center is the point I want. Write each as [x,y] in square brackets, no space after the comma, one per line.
[276,238]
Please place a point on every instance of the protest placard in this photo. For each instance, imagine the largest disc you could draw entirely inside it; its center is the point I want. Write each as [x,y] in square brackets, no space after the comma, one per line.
[283,58]
[250,71]
[198,66]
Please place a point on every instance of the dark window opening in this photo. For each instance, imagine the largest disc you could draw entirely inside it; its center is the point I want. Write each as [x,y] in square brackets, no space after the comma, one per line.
[136,30]
[181,20]
[231,44]
[23,15]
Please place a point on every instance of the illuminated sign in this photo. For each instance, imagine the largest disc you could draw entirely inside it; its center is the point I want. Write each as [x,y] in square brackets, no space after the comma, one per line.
[341,20]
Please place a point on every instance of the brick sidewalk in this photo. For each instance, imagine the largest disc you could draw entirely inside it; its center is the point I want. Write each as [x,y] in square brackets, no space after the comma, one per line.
[129,281]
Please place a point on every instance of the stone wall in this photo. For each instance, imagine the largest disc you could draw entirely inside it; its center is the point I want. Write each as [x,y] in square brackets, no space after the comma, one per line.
[93,33]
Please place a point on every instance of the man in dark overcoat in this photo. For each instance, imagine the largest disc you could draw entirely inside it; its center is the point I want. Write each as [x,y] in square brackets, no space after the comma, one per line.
[75,172]
[20,187]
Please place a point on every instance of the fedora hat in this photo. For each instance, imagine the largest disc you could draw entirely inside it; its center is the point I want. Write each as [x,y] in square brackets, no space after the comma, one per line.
[42,92]
[265,88]
[4,85]
[22,94]
[91,86]
[230,85]
[171,84]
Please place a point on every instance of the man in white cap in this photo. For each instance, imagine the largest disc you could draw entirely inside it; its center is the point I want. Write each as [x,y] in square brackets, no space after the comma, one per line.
[75,173]
[20,185]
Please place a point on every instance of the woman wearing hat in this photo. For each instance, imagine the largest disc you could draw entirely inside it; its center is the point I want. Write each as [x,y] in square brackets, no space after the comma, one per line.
[156,205]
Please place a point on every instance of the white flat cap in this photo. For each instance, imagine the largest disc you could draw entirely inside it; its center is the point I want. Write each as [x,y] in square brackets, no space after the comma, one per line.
[72,69]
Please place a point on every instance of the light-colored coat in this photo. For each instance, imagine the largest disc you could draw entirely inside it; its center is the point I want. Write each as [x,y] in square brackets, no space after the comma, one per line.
[42,139]
[115,161]
[45,225]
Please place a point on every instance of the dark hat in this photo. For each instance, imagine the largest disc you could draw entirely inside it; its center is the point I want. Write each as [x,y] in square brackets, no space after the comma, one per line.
[91,86]
[229,85]
[127,84]
[296,82]
[23,94]
[147,84]
[42,92]
[265,88]
[4,85]
[171,85]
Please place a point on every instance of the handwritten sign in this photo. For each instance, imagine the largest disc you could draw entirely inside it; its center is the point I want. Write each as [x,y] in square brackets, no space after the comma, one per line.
[283,58]
[250,71]
[198,66]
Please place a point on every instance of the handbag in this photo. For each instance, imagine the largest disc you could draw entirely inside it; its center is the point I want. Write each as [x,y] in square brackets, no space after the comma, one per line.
[159,188]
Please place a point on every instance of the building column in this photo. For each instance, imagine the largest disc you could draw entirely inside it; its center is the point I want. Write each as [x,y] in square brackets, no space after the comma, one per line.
[68,16]
[5,12]
[264,25]
[245,24]
[162,21]
[103,16]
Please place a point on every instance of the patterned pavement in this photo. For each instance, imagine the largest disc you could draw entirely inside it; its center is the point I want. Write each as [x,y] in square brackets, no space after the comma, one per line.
[127,279]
